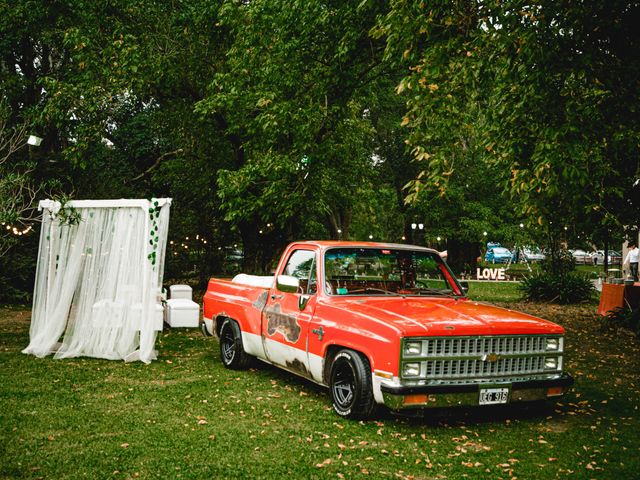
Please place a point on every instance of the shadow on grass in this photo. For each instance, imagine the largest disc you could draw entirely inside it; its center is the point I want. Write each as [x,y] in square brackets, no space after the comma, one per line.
[432,417]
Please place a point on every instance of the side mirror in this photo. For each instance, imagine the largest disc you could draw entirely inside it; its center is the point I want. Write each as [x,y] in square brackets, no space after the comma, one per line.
[465,286]
[287,283]
[302,301]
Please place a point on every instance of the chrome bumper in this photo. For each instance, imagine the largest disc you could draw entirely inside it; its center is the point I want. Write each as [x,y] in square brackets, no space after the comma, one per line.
[442,395]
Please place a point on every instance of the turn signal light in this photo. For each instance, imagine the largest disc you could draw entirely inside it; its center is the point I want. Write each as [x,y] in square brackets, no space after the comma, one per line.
[417,399]
[555,391]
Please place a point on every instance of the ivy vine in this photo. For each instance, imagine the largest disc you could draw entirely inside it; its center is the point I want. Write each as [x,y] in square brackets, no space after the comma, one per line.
[154,237]
[67,215]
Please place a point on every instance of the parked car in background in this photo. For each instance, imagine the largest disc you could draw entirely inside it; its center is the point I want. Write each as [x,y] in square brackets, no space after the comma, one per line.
[533,254]
[615,258]
[498,255]
[581,257]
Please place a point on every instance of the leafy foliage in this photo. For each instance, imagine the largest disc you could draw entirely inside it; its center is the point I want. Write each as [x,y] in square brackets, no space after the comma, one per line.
[545,91]
[269,121]
[564,288]
[624,317]
[557,281]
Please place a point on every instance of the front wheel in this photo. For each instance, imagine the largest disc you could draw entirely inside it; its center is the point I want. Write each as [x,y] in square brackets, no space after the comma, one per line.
[350,385]
[232,352]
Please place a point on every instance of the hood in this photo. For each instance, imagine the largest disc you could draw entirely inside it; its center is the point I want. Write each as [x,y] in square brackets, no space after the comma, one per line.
[412,316]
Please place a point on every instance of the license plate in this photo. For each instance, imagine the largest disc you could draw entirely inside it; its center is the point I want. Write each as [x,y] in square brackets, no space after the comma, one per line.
[493,396]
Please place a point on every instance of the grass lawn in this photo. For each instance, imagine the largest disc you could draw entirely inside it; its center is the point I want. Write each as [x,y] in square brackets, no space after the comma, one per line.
[185,416]
[491,291]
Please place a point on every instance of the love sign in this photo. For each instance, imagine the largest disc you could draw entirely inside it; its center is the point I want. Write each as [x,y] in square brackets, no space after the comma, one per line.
[490,274]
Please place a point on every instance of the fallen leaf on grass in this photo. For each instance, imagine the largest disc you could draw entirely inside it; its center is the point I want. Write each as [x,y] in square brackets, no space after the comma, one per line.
[324,463]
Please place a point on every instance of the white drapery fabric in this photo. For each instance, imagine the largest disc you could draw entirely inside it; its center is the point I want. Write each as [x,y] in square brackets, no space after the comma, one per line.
[98,280]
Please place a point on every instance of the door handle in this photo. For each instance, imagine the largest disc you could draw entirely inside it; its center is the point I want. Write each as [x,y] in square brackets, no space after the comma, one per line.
[276,297]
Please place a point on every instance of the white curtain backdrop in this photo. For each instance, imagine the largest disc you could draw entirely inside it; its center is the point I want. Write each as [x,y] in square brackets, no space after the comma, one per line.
[98,282]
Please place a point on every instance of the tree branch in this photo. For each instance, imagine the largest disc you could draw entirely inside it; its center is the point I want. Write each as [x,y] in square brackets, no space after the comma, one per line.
[155,164]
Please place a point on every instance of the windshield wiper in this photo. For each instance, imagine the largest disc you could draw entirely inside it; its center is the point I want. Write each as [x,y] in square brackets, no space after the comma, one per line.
[433,291]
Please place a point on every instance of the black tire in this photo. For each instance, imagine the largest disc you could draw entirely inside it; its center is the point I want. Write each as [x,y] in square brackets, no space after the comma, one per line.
[350,385]
[232,352]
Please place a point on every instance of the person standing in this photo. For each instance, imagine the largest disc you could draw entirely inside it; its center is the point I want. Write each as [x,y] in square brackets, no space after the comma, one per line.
[632,260]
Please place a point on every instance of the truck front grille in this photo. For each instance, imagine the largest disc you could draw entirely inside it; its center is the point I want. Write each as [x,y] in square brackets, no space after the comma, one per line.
[454,346]
[480,358]
[483,368]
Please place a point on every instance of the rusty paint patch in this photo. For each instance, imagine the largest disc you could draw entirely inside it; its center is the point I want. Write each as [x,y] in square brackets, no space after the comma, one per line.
[286,324]
[261,301]
[297,366]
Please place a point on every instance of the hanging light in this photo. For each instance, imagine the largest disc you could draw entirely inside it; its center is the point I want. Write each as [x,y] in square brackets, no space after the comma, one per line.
[34,140]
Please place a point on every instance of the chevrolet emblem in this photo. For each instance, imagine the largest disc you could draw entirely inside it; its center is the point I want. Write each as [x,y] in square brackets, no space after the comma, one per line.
[492,357]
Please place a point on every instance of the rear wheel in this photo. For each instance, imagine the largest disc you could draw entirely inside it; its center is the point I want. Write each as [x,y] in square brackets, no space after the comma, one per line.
[350,385]
[232,352]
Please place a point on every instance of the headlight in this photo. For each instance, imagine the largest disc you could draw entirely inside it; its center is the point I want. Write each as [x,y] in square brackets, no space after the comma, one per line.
[551,363]
[552,344]
[413,348]
[411,370]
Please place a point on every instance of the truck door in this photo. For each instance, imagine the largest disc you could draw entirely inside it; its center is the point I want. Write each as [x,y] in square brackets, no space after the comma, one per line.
[285,324]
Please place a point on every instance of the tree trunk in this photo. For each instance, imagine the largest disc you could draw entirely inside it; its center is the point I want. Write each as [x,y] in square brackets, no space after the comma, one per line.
[339,219]
[462,256]
[251,260]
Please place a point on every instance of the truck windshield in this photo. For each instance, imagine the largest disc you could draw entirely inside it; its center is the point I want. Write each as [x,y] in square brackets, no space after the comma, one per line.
[379,271]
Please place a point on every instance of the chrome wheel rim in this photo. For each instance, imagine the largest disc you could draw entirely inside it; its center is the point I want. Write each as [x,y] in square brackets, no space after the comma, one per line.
[344,385]
[228,344]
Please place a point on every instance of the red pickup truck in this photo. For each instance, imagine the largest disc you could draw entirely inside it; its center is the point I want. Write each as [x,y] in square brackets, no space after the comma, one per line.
[384,324]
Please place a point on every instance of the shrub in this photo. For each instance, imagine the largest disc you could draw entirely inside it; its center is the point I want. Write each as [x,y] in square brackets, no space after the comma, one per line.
[560,262]
[624,317]
[559,288]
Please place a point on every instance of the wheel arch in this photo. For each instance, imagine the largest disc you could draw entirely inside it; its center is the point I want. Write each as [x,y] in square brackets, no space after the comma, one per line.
[219,320]
[331,352]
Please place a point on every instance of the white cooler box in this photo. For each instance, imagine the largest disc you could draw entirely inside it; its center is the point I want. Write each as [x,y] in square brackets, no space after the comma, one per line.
[181,312]
[180,291]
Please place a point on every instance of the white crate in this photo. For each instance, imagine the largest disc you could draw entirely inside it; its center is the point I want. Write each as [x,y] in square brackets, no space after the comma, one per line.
[181,312]
[180,291]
